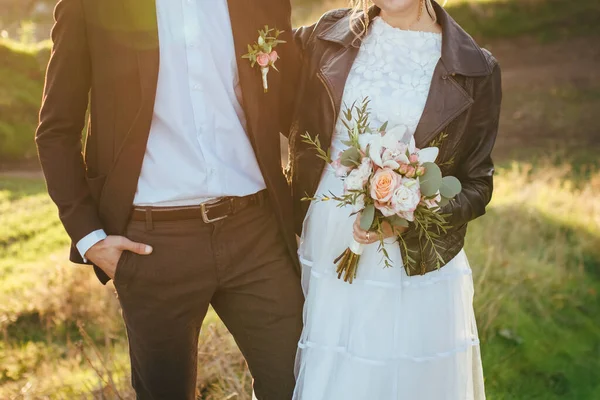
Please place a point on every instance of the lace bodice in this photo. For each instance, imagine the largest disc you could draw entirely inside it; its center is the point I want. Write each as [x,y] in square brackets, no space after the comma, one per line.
[393,68]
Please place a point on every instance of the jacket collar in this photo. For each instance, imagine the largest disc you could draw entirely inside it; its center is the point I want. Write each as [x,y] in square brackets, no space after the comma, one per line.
[460,54]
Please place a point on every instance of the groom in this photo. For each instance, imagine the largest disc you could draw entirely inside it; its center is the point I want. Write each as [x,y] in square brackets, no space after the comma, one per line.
[179,195]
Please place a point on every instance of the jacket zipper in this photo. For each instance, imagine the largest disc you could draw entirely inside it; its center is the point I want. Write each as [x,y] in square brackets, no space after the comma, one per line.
[333,108]
[322,79]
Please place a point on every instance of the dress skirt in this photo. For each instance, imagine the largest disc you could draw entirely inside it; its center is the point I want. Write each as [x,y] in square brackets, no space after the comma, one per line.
[386,336]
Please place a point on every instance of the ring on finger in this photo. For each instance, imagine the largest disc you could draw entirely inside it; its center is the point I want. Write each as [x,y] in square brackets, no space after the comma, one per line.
[368,236]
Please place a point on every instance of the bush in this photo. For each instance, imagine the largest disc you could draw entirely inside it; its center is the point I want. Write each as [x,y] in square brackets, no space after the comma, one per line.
[21,85]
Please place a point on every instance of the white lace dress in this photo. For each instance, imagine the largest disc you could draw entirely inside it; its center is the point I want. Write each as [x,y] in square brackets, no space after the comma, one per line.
[387,336]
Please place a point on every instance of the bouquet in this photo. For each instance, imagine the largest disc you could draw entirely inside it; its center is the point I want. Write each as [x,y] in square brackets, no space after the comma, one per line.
[387,180]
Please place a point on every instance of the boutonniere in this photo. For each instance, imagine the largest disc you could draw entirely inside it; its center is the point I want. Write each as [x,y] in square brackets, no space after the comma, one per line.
[262,52]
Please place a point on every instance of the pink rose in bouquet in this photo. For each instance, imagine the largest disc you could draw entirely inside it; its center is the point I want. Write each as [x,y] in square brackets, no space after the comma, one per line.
[383,184]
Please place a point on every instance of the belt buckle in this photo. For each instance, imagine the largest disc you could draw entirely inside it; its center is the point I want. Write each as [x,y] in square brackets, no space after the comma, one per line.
[205,211]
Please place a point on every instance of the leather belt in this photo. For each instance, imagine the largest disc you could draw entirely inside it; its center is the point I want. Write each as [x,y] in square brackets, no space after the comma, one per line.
[209,212]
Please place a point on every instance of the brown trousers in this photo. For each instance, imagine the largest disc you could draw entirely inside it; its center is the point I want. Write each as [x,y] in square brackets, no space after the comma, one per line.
[242,267]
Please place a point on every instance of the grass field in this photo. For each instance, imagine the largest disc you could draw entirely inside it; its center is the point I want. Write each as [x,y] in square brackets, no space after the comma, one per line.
[536,265]
[535,255]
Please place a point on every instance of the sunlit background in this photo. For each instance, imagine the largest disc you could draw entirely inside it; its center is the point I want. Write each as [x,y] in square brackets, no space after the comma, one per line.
[536,255]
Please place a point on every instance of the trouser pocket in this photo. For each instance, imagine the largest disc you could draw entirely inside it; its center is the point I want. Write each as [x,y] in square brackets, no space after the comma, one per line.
[124,270]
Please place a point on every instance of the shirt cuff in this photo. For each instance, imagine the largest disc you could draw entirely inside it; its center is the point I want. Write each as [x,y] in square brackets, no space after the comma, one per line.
[90,240]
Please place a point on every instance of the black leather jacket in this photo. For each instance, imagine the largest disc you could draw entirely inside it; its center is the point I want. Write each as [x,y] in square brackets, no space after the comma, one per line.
[463,102]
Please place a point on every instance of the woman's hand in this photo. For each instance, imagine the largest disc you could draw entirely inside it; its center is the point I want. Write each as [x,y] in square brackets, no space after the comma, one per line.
[368,237]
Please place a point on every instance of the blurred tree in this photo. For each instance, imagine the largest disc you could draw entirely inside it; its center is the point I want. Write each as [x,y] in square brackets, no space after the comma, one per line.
[14,12]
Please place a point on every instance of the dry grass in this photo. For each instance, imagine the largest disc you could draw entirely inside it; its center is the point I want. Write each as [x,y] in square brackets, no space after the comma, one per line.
[536,266]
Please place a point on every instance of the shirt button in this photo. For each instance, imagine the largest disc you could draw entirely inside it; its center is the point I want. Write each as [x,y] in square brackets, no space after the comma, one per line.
[197,87]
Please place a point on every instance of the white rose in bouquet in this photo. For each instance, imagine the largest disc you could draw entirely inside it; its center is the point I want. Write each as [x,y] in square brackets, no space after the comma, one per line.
[357,179]
[406,198]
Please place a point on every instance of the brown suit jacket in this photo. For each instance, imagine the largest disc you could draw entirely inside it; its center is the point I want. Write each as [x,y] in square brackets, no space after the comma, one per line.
[105,60]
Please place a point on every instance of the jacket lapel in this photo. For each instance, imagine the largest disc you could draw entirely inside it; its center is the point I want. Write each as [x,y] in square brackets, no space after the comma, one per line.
[334,73]
[142,34]
[446,101]
[246,19]
[144,27]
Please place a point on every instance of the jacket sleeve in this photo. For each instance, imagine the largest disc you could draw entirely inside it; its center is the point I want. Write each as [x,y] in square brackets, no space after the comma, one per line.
[62,119]
[476,168]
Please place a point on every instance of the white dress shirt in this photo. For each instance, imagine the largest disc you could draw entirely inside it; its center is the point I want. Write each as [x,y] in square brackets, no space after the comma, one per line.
[198,148]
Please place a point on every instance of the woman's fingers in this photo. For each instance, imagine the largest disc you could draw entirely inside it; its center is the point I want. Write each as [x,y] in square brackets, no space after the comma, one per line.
[362,236]
[359,235]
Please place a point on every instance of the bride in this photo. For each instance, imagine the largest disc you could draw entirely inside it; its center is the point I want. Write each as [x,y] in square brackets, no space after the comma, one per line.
[401,332]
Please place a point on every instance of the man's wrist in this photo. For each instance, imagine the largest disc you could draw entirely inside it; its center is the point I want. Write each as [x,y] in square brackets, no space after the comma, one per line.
[89,241]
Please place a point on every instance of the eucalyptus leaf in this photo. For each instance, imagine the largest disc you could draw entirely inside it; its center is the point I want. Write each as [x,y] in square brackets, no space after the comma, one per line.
[444,201]
[432,179]
[350,157]
[367,217]
[450,187]
[396,220]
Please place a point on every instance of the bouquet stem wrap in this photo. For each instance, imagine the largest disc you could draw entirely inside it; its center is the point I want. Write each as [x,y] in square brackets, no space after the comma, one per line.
[347,262]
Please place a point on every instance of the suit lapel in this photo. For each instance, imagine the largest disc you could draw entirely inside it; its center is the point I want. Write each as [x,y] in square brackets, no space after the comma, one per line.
[446,101]
[244,33]
[142,34]
[143,31]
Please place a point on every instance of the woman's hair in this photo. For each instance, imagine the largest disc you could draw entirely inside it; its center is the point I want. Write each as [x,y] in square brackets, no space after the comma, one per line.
[359,19]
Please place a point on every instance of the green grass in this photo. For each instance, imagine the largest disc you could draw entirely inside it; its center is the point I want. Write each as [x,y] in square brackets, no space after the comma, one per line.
[537,277]
[536,269]
[535,256]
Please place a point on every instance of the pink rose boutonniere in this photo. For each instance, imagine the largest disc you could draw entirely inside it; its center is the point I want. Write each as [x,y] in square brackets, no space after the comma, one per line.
[262,53]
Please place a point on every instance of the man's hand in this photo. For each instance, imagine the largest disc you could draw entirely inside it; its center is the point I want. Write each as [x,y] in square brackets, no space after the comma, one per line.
[368,237]
[106,253]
